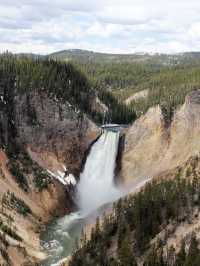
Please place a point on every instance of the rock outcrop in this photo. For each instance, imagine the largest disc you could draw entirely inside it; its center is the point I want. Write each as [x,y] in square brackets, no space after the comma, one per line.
[137,96]
[151,147]
[55,136]
[54,132]
[26,214]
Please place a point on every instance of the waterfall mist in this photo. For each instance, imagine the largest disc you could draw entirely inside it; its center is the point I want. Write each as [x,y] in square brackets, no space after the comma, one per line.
[96,186]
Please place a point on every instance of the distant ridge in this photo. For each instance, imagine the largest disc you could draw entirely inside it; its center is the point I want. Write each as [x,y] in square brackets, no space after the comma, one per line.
[84,56]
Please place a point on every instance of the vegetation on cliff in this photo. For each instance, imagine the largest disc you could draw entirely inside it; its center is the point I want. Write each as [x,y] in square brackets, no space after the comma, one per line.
[124,237]
[11,201]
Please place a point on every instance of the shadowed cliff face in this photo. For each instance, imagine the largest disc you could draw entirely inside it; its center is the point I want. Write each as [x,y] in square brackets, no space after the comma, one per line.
[151,148]
[54,133]
[56,137]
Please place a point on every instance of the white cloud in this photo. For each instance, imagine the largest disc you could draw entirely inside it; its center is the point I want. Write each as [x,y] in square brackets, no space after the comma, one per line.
[43,26]
[194,31]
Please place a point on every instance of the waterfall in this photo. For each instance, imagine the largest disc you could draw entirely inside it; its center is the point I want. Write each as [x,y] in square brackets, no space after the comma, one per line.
[96,186]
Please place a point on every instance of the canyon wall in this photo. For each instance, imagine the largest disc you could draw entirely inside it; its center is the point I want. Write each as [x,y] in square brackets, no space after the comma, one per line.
[152,148]
[38,133]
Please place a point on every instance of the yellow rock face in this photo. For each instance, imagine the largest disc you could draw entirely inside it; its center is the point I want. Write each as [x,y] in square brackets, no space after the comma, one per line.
[151,148]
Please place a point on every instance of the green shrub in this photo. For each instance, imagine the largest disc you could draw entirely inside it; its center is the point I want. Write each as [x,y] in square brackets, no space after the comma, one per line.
[41,179]
[19,205]
[15,170]
[7,230]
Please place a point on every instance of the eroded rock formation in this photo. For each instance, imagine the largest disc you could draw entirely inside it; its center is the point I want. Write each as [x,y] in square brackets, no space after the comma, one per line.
[151,147]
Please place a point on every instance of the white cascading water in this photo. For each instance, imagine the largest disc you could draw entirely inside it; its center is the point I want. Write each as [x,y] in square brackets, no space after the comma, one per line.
[96,186]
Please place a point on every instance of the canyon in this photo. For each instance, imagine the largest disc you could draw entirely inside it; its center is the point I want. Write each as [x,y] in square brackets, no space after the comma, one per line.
[58,166]
[59,145]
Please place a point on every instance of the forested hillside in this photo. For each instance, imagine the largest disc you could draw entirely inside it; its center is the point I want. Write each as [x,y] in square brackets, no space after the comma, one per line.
[62,81]
[138,230]
[166,85]
[167,78]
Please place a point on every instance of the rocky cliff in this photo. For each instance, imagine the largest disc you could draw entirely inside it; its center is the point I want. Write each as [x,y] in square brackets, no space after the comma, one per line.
[59,135]
[38,133]
[151,147]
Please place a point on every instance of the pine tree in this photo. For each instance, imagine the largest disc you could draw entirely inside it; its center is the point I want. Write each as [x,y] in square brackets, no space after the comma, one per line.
[125,252]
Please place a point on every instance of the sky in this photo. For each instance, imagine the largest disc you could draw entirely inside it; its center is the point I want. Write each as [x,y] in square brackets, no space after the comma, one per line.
[111,26]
